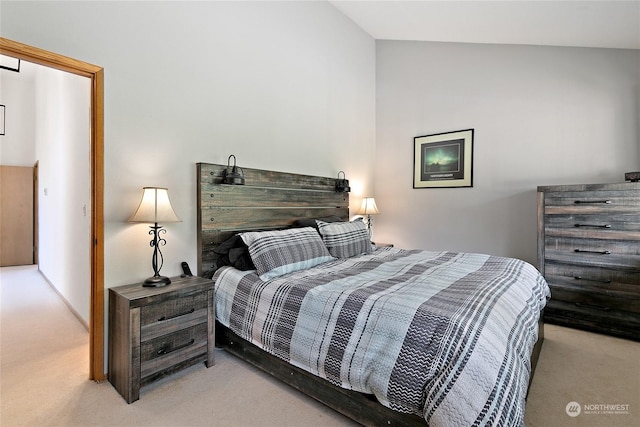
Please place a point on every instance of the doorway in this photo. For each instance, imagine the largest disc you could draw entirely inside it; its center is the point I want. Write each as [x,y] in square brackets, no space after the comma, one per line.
[96,75]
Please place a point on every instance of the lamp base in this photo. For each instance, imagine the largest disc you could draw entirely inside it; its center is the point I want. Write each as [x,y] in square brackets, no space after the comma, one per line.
[156,282]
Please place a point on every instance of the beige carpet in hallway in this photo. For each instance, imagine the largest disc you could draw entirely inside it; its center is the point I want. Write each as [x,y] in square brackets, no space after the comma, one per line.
[44,369]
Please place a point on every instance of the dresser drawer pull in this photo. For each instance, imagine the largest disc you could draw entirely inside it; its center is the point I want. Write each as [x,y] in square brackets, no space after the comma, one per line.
[588,202]
[596,307]
[594,225]
[593,280]
[166,349]
[582,251]
[163,318]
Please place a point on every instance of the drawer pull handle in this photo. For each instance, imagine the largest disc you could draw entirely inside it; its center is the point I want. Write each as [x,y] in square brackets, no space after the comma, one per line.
[166,349]
[593,280]
[163,318]
[593,252]
[596,307]
[587,202]
[594,225]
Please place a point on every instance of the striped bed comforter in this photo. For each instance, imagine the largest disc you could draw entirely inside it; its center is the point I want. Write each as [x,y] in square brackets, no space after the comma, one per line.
[447,336]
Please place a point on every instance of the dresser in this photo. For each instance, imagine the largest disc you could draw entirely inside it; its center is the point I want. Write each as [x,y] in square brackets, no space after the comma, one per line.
[589,253]
[154,332]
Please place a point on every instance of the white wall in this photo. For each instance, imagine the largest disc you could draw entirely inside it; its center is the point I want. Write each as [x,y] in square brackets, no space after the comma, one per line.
[286,86]
[61,127]
[542,116]
[17,94]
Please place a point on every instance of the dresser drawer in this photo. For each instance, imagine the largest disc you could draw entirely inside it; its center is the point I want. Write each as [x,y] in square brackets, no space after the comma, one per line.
[604,223]
[592,274]
[166,351]
[595,268]
[615,322]
[601,296]
[580,246]
[593,201]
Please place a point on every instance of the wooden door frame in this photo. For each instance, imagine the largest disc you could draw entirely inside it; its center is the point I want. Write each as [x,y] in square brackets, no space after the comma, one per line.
[96,75]
[36,201]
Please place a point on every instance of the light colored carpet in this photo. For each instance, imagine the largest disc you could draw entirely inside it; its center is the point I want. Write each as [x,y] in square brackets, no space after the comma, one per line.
[44,370]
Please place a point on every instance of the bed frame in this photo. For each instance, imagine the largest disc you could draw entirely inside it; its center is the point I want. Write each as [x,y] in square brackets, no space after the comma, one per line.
[274,200]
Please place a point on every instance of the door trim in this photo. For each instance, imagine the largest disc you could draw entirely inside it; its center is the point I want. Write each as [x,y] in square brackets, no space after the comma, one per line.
[36,200]
[96,74]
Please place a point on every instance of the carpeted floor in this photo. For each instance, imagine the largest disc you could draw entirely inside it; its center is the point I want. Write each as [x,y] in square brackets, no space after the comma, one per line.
[44,369]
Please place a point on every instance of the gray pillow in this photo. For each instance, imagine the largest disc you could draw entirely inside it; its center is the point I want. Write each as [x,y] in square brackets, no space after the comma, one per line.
[345,239]
[279,252]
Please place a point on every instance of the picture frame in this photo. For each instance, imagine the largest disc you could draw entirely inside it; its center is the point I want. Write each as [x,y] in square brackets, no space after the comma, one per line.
[2,108]
[9,63]
[443,160]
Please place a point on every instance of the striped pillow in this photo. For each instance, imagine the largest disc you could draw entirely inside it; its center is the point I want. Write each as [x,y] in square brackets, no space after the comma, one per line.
[279,252]
[345,239]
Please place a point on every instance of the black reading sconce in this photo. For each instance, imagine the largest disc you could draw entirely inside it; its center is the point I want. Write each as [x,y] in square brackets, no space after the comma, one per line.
[231,174]
[342,185]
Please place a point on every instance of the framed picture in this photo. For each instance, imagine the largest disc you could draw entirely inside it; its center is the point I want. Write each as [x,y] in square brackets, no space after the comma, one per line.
[2,119]
[443,160]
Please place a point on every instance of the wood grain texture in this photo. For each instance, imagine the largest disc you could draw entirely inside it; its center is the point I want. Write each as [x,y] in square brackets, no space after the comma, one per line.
[268,200]
[362,408]
[589,252]
[154,332]
[16,216]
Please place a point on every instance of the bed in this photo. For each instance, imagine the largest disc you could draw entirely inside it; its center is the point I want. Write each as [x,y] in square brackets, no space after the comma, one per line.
[383,335]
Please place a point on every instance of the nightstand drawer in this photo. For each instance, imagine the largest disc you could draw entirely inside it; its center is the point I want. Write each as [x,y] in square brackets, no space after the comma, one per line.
[173,309]
[173,315]
[165,351]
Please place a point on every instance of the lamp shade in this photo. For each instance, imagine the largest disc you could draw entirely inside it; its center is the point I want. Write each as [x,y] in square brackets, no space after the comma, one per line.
[154,207]
[368,207]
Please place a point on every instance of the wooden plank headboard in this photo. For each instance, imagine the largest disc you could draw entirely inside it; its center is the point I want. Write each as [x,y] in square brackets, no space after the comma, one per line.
[268,200]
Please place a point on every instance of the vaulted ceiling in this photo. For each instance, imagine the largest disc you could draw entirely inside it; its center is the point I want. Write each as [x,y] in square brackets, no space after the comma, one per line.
[595,23]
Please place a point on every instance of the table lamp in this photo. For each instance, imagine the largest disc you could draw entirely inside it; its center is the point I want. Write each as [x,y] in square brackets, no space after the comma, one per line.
[155,207]
[368,208]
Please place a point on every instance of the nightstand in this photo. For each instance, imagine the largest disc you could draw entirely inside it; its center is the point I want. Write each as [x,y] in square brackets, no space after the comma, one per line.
[154,332]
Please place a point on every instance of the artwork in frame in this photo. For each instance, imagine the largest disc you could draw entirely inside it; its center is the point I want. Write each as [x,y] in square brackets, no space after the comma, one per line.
[443,160]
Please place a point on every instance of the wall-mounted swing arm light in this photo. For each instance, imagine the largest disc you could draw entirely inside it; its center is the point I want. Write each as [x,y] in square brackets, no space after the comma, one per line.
[155,207]
[342,185]
[231,174]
